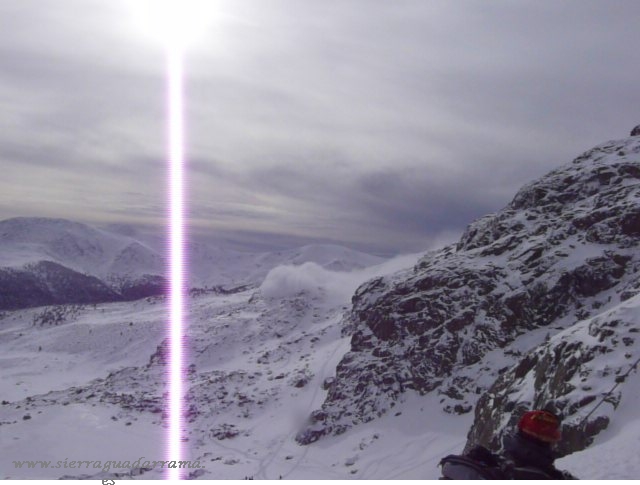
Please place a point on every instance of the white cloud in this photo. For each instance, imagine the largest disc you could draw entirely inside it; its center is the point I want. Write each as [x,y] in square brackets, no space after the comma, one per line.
[334,287]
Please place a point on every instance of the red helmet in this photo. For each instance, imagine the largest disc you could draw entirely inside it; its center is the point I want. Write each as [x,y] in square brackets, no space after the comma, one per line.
[541,425]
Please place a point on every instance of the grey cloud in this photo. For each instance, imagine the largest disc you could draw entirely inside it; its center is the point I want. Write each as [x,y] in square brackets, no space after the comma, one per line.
[375,123]
[402,206]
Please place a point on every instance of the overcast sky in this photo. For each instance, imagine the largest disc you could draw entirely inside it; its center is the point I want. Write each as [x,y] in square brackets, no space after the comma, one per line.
[382,125]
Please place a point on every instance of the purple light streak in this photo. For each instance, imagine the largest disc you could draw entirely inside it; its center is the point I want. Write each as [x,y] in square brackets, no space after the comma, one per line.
[176,139]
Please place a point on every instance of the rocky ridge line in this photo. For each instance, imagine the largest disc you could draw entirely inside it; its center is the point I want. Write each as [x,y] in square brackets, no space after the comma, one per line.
[563,251]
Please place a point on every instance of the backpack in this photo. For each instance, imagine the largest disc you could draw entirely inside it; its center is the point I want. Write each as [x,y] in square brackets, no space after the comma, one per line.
[478,464]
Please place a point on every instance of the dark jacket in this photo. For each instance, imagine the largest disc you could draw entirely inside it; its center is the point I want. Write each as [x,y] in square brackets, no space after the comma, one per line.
[522,458]
[530,459]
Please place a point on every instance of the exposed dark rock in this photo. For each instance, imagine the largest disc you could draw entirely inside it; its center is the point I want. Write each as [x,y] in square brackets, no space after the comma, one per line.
[327,383]
[225,431]
[565,375]
[161,355]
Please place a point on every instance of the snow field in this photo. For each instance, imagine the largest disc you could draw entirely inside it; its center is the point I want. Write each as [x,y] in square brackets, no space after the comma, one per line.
[256,346]
[75,432]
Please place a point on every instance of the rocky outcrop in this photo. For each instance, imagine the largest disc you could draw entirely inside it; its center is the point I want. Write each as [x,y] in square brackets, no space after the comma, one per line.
[564,250]
[573,374]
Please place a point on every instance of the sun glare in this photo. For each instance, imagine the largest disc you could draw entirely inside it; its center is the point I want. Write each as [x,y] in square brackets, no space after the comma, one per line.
[176,23]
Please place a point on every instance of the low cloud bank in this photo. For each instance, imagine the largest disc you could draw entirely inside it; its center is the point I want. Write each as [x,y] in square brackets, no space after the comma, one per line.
[336,287]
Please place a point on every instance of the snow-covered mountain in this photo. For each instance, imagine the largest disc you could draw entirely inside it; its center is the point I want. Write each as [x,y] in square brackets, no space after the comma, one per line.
[372,373]
[56,261]
[76,246]
[562,256]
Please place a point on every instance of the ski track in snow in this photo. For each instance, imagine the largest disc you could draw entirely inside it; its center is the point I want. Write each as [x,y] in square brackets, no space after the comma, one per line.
[262,472]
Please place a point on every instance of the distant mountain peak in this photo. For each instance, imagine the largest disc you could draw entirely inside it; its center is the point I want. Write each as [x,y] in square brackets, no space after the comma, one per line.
[130,267]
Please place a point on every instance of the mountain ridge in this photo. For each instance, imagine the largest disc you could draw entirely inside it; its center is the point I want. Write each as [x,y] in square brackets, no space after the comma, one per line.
[118,267]
[564,250]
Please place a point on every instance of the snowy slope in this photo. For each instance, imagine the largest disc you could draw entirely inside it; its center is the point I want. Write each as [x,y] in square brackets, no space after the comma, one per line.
[579,373]
[94,390]
[77,246]
[613,455]
[259,364]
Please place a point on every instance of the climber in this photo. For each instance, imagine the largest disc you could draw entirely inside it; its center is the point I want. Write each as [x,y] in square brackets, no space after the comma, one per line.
[527,454]
[529,451]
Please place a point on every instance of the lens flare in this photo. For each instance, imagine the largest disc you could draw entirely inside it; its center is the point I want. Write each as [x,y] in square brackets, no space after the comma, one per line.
[176,131]
[173,22]
[176,24]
